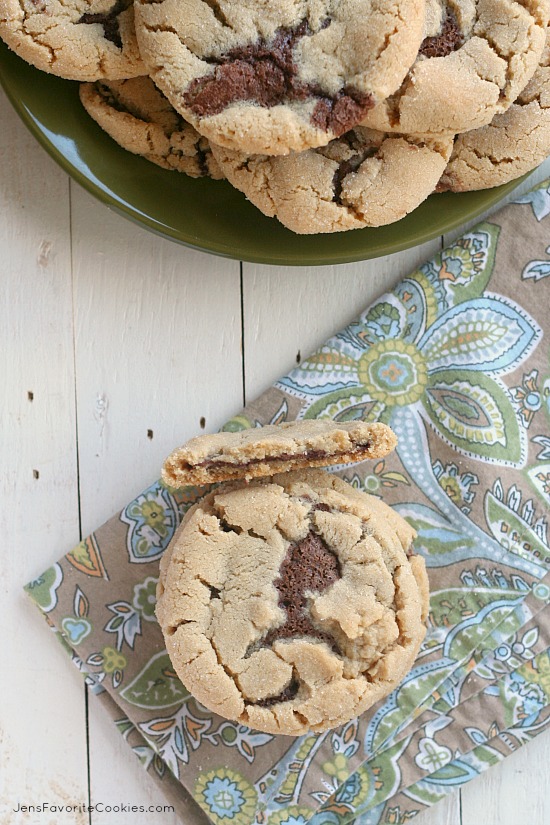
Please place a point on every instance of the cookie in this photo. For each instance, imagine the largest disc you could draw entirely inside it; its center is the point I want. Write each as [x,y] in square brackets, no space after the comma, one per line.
[273,77]
[291,604]
[138,116]
[511,145]
[475,59]
[364,178]
[75,39]
[277,448]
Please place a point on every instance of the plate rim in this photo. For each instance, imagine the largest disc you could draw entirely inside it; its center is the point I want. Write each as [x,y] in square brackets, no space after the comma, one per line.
[140,218]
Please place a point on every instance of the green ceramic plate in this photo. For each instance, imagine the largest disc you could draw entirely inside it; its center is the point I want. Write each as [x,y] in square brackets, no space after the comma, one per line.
[204,214]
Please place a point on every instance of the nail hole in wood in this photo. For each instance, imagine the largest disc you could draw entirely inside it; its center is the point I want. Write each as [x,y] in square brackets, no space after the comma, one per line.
[202,422]
[150,435]
[298,357]
[30,396]
[35,474]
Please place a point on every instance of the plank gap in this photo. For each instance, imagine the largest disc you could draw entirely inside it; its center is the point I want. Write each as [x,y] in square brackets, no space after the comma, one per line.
[71,250]
[242,332]
[88,760]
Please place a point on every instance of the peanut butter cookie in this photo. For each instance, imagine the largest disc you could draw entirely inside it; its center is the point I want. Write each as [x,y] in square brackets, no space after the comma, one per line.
[138,116]
[75,39]
[510,146]
[476,57]
[364,178]
[263,451]
[279,76]
[292,604]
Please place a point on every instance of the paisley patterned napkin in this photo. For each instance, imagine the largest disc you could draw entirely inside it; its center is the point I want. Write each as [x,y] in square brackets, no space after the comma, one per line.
[456,361]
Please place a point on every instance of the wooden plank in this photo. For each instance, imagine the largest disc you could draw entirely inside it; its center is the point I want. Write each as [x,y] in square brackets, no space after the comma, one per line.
[513,792]
[446,812]
[158,352]
[128,785]
[158,348]
[41,694]
[290,311]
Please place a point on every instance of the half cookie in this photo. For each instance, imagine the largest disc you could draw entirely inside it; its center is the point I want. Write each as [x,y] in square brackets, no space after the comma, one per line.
[475,59]
[138,116]
[75,39]
[292,604]
[264,451]
[511,145]
[279,76]
[364,178]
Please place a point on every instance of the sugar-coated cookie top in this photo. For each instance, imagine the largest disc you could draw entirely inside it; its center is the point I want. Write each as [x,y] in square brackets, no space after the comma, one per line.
[292,604]
[139,117]
[476,57]
[281,75]
[364,178]
[76,39]
[515,141]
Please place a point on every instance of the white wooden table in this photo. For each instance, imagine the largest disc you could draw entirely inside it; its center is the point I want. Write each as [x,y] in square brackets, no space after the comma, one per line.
[116,346]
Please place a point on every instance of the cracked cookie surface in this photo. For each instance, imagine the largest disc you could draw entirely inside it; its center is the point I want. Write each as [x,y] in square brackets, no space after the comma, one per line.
[513,144]
[277,448]
[140,118]
[76,39]
[476,57]
[292,603]
[364,178]
[278,76]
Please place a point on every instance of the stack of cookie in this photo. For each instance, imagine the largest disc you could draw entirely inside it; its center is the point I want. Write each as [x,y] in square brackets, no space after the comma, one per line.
[289,601]
[328,114]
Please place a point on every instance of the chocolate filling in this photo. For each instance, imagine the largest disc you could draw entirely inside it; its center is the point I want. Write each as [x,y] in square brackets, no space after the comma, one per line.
[265,73]
[224,526]
[339,113]
[202,158]
[309,565]
[109,21]
[449,39]
[310,455]
[285,695]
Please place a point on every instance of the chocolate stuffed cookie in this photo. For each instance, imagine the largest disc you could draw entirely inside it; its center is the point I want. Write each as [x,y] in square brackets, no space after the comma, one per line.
[277,448]
[292,603]
[364,178]
[138,116]
[511,145]
[75,39]
[278,76]
[476,57]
